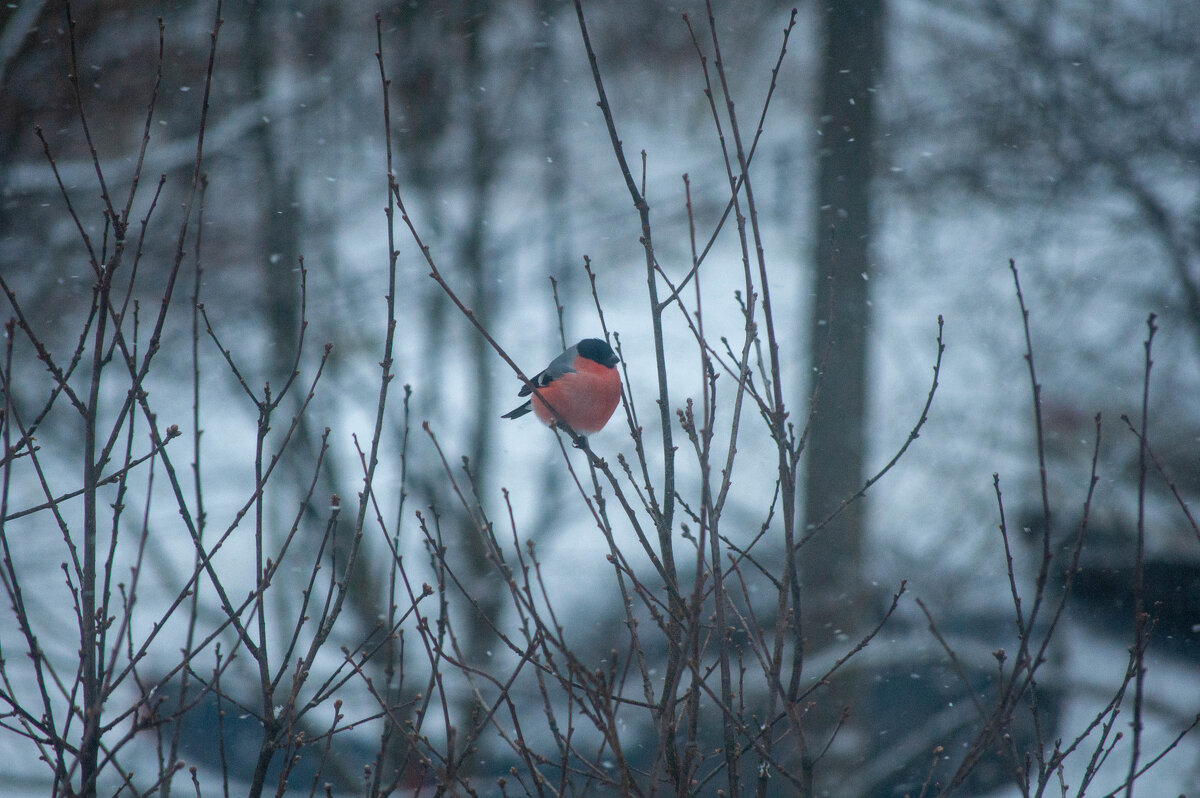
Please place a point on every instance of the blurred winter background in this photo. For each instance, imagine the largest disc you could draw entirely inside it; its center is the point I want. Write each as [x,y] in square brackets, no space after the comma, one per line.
[1064,134]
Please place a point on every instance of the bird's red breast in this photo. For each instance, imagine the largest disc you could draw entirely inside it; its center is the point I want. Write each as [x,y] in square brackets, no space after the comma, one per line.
[585,398]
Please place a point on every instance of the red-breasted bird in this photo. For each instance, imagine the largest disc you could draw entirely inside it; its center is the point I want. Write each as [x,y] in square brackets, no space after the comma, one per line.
[582,385]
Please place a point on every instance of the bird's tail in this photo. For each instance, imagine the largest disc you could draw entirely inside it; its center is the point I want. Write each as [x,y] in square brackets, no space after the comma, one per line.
[517,412]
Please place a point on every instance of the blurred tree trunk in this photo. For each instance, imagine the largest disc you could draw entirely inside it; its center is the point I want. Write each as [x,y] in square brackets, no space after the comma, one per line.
[834,594]
[836,444]
[484,160]
[279,212]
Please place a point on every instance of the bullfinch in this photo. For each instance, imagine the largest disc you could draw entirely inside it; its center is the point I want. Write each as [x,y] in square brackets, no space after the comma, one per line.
[581,384]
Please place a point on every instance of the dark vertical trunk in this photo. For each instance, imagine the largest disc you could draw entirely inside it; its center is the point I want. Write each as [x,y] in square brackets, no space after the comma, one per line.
[280,212]
[548,78]
[484,158]
[835,595]
[836,444]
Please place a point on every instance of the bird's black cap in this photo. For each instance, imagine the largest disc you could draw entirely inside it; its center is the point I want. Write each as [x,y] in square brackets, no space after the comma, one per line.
[597,350]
